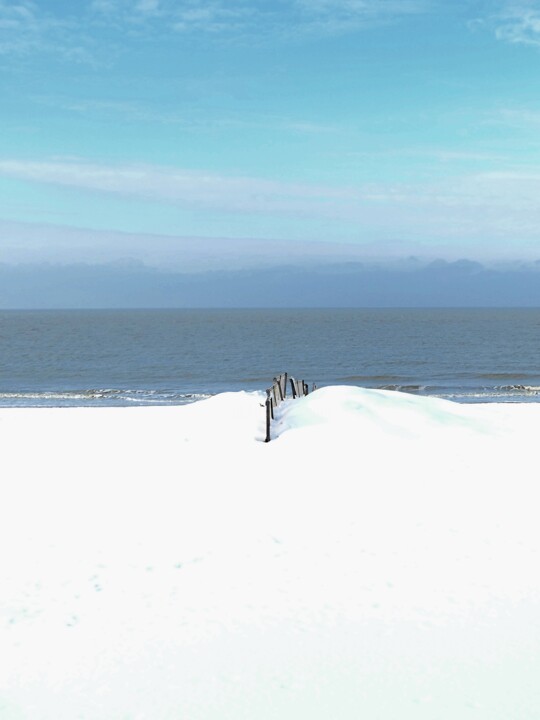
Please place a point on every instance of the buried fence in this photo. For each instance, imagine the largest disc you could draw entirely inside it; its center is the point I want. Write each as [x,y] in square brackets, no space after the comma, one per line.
[278,392]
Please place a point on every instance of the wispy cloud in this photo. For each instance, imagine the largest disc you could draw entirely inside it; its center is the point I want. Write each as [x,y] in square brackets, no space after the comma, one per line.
[130,7]
[301,18]
[496,204]
[519,127]
[211,17]
[517,22]
[492,211]
[27,29]
[190,188]
[335,17]
[435,154]
[193,14]
[26,26]
[195,117]
[517,117]
[21,27]
[42,242]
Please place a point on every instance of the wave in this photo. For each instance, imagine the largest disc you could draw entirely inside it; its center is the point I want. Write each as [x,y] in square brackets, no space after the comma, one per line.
[503,376]
[500,393]
[367,378]
[98,396]
[533,389]
[510,392]
[406,388]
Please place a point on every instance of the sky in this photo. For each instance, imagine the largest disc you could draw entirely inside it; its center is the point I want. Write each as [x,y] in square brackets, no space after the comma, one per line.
[210,133]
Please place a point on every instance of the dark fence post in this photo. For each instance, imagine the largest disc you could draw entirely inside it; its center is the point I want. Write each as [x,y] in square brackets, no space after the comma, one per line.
[293,387]
[268,415]
[277,383]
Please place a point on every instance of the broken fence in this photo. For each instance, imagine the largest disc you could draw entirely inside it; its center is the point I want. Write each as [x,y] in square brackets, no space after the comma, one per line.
[278,392]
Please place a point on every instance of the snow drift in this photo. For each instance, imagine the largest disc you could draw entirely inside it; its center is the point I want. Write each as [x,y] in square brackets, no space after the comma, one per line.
[376,560]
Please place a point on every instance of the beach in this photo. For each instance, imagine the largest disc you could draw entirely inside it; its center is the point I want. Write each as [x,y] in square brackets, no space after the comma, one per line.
[377,559]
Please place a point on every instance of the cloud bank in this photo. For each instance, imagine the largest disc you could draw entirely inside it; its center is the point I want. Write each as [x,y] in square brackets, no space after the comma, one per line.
[486,212]
[462,283]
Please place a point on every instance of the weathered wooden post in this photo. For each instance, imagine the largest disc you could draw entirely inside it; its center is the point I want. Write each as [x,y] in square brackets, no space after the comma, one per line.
[269,415]
[277,381]
[293,387]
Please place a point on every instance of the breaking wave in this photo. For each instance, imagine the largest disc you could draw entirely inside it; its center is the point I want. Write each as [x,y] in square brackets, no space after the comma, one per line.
[498,393]
[97,397]
[515,392]
[407,388]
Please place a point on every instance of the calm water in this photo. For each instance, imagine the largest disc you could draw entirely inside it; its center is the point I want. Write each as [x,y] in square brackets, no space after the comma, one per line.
[128,357]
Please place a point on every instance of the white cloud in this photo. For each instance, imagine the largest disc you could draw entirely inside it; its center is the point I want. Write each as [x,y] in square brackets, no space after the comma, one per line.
[20,28]
[189,188]
[205,15]
[23,242]
[104,6]
[483,214]
[499,206]
[261,19]
[213,17]
[249,194]
[339,17]
[29,27]
[358,9]
[434,154]
[26,28]
[518,22]
[291,17]
[517,117]
[148,6]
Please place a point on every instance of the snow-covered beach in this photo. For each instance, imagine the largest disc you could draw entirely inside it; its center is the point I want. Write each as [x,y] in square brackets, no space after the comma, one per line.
[377,560]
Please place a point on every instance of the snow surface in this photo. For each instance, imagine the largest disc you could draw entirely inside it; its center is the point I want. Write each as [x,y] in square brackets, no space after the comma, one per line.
[378,559]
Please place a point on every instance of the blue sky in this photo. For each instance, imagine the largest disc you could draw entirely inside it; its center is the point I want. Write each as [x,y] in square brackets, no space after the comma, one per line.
[130,128]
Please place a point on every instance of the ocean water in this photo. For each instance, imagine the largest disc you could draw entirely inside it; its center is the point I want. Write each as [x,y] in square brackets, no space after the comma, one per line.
[142,357]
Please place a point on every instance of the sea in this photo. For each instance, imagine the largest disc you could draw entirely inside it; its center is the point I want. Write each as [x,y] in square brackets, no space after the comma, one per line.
[58,358]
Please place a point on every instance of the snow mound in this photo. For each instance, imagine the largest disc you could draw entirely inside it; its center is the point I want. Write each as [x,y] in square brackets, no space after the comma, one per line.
[378,559]
[354,412]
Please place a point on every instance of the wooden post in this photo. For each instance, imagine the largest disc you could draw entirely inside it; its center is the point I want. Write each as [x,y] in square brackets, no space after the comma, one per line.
[293,387]
[281,387]
[268,416]
[277,382]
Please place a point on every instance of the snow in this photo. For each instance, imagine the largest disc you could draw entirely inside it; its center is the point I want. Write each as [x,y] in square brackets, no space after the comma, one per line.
[378,559]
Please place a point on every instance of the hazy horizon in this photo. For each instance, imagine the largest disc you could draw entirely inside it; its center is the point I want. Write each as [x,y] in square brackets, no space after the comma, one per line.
[409,283]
